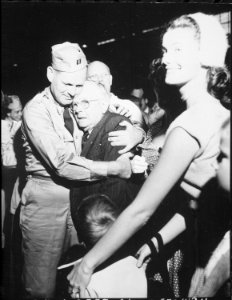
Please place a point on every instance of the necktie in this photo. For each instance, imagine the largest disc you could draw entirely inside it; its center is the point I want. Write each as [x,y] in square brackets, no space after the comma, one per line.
[85,138]
[68,122]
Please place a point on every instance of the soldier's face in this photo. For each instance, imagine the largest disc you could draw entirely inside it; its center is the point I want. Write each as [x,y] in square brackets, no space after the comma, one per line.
[65,86]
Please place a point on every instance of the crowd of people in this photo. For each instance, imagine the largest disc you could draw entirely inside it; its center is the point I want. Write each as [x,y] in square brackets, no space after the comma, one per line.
[105,197]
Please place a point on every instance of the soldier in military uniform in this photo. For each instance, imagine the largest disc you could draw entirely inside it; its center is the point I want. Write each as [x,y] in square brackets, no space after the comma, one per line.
[52,143]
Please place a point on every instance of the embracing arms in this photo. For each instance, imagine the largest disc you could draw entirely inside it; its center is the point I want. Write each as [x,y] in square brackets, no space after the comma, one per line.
[46,143]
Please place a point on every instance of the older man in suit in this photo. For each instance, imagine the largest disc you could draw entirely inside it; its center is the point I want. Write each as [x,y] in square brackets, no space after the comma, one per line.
[94,118]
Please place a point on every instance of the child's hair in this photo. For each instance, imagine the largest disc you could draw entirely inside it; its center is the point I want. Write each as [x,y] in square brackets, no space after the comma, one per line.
[94,217]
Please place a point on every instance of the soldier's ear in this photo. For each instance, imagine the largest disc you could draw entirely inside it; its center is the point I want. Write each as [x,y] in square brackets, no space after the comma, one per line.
[111,80]
[50,73]
[104,105]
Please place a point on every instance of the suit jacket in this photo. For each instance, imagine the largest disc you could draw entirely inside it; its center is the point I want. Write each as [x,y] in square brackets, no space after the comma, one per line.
[98,148]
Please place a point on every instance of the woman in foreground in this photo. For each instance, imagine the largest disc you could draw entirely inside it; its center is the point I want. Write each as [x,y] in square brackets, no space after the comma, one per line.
[193,47]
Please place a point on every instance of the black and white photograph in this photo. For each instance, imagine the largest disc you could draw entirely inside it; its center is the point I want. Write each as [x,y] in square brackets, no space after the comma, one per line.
[115,150]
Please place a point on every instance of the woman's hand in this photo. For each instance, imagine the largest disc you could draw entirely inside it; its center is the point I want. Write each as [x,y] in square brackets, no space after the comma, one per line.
[75,293]
[79,279]
[138,164]
[143,256]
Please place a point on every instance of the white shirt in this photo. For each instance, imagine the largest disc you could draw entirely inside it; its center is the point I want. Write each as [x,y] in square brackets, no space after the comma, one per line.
[9,129]
[122,279]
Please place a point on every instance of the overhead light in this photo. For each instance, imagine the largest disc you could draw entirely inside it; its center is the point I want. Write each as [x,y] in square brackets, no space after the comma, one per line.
[149,29]
[15,65]
[84,46]
[106,42]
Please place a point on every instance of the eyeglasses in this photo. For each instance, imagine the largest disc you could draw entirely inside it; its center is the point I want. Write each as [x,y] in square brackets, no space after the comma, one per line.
[84,104]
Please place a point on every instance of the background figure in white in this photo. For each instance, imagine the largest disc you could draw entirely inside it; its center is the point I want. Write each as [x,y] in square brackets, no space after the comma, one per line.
[10,123]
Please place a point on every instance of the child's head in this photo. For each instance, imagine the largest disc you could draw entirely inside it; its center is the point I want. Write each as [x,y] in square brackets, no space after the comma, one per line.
[94,217]
[223,168]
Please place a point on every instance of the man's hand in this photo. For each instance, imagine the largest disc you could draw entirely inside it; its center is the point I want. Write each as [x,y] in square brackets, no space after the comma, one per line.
[138,164]
[120,109]
[129,137]
[120,167]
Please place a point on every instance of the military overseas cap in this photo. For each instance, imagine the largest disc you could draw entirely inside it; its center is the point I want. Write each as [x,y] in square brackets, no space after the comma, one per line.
[68,57]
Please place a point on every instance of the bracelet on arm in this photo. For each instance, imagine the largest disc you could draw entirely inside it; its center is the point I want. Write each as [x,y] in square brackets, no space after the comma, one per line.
[152,248]
[160,241]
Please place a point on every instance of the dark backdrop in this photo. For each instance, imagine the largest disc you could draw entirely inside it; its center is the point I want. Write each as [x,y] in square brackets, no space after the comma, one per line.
[29,29]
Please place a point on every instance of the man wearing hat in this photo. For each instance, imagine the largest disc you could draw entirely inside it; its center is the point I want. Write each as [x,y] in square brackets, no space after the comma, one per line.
[52,143]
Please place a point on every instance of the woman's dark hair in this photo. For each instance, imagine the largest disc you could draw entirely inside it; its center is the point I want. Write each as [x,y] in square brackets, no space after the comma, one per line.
[6,101]
[94,217]
[219,85]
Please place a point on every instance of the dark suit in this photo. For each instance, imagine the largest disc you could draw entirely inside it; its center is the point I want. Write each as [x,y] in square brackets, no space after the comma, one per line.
[98,148]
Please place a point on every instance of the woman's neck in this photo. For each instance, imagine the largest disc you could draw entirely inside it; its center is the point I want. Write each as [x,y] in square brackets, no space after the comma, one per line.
[195,91]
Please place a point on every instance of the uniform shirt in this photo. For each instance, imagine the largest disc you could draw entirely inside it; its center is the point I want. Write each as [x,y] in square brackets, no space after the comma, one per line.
[49,146]
[9,129]
[203,122]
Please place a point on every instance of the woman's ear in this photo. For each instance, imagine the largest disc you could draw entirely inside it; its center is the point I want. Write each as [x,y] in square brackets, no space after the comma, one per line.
[110,79]
[50,74]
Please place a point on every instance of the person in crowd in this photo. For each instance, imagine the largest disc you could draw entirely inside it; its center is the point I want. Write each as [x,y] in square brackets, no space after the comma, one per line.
[52,143]
[99,72]
[119,277]
[165,112]
[190,147]
[10,123]
[139,93]
[135,100]
[212,280]
[91,109]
